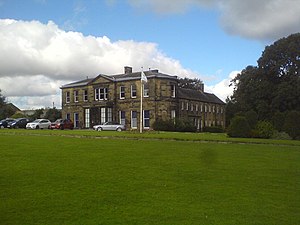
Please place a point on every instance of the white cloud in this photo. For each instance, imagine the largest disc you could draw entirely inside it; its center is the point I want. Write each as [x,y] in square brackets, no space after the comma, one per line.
[222,89]
[255,19]
[36,59]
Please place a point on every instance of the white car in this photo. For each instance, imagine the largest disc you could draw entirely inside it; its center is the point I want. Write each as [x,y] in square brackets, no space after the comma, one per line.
[109,126]
[39,124]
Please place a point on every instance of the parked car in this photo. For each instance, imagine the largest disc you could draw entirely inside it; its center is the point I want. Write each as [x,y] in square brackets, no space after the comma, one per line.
[39,124]
[4,123]
[62,124]
[18,123]
[109,126]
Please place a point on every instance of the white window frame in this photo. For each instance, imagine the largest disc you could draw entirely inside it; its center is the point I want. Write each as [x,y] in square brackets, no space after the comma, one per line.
[68,99]
[173,91]
[133,91]
[85,95]
[146,90]
[87,118]
[146,119]
[122,92]
[76,97]
[134,120]
[122,120]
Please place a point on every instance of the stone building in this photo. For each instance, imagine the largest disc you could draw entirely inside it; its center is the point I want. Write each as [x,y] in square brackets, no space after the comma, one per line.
[117,98]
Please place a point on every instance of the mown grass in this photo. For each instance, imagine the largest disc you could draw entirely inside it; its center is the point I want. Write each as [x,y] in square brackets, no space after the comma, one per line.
[66,180]
[179,136]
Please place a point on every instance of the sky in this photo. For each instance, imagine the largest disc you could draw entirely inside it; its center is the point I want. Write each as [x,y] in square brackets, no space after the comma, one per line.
[45,44]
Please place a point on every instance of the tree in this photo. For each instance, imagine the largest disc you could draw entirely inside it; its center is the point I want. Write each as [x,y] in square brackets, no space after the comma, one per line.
[273,85]
[291,124]
[195,84]
[239,127]
[53,114]
[5,110]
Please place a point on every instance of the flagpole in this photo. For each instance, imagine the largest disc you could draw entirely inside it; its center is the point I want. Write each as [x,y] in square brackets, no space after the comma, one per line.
[141,105]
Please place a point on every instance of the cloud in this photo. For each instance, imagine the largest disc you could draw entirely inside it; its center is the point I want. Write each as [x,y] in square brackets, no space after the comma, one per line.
[36,59]
[265,20]
[222,89]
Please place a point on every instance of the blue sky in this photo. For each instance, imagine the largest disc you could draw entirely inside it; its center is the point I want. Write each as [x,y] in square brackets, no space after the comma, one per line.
[210,40]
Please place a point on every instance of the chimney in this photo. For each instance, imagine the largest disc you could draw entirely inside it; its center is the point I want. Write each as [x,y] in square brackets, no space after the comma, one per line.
[127,69]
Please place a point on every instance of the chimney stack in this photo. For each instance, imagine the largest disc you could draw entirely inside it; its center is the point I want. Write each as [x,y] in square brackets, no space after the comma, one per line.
[127,69]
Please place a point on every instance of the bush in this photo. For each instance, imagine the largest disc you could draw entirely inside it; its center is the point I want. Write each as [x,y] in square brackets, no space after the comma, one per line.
[239,127]
[214,129]
[281,135]
[171,125]
[264,129]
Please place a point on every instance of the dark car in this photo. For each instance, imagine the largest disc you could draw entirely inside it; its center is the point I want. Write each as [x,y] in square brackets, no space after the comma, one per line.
[4,123]
[62,124]
[18,123]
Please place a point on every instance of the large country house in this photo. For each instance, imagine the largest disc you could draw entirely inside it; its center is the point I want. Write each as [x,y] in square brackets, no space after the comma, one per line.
[117,98]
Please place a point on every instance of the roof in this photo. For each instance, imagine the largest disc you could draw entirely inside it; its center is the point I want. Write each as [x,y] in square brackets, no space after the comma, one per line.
[121,77]
[198,96]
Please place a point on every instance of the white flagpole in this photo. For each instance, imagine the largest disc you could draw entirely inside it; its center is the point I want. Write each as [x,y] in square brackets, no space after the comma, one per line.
[141,105]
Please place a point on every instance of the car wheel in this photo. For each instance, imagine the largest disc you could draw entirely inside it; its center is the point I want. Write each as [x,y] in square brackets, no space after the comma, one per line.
[2,127]
[37,127]
[119,129]
[99,129]
[61,127]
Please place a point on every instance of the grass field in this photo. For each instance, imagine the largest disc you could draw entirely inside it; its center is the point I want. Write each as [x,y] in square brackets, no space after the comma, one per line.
[73,177]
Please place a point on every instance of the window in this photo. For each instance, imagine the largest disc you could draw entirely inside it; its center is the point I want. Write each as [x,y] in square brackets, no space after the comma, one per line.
[197,107]
[205,108]
[76,120]
[192,107]
[133,119]
[87,118]
[103,115]
[68,116]
[133,91]
[173,91]
[187,106]
[122,92]
[146,90]
[146,118]
[101,94]
[75,96]
[201,108]
[122,117]
[85,95]
[173,114]
[109,114]
[97,94]
[182,105]
[67,97]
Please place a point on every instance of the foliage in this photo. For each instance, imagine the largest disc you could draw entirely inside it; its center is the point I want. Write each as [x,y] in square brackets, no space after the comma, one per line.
[264,129]
[37,114]
[278,120]
[53,114]
[252,118]
[195,84]
[17,115]
[239,127]
[213,129]
[177,125]
[65,180]
[292,124]
[273,85]
[281,135]
[5,110]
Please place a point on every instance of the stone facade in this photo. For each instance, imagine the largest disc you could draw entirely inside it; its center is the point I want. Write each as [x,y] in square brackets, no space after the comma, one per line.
[117,98]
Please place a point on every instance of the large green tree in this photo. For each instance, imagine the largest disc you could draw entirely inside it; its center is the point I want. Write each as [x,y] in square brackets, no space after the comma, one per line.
[273,85]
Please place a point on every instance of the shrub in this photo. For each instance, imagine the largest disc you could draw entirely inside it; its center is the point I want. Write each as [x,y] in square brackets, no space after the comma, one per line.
[281,135]
[265,129]
[239,127]
[214,129]
[171,125]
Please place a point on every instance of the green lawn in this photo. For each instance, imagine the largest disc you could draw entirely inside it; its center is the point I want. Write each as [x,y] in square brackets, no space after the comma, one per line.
[54,179]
